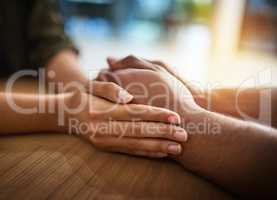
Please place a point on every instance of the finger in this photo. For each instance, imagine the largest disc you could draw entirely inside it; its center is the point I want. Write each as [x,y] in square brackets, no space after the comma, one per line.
[192,88]
[137,146]
[112,60]
[104,75]
[129,62]
[109,91]
[159,63]
[149,154]
[107,75]
[164,66]
[140,130]
[136,112]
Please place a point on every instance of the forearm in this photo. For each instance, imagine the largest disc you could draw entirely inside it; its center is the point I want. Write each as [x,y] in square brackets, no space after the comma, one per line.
[231,101]
[66,68]
[23,113]
[256,104]
[237,155]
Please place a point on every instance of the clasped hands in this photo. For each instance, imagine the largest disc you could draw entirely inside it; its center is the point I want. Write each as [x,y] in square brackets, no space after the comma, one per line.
[135,107]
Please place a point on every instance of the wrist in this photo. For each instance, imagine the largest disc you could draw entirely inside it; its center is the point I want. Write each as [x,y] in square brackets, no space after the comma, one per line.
[192,116]
[200,121]
[204,99]
[51,123]
[59,118]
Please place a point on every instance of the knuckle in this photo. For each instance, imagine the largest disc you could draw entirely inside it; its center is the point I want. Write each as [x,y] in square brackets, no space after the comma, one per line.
[171,130]
[102,76]
[157,68]
[110,86]
[161,63]
[137,110]
[129,59]
[160,147]
[165,129]
[177,128]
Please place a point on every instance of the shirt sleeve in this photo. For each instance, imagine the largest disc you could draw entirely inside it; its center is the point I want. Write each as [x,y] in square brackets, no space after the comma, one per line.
[46,33]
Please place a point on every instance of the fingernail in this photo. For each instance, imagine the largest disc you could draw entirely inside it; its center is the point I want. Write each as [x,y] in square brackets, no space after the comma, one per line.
[174,149]
[124,96]
[181,136]
[174,119]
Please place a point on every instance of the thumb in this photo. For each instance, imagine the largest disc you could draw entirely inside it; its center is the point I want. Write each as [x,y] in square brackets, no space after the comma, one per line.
[112,60]
[109,91]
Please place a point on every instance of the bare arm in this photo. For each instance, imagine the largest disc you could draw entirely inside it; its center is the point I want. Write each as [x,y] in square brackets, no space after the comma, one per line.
[238,155]
[258,104]
[64,71]
[92,118]
[14,120]
[66,68]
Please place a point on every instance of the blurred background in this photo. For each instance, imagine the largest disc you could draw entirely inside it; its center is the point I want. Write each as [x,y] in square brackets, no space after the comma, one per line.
[211,42]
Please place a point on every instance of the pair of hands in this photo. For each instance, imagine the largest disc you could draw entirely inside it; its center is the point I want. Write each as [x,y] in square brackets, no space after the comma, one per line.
[135,122]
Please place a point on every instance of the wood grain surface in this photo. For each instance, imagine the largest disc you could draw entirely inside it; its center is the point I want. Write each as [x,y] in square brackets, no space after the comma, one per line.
[56,166]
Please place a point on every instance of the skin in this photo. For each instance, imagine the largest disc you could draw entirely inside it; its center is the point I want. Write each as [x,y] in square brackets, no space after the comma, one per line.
[139,139]
[240,157]
[227,100]
[65,69]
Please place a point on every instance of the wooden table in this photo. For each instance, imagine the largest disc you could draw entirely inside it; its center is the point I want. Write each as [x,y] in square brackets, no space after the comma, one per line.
[52,166]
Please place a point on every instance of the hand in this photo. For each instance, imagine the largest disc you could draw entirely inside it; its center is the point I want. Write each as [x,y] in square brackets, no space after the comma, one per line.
[199,94]
[63,71]
[123,128]
[150,84]
[209,151]
[109,91]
